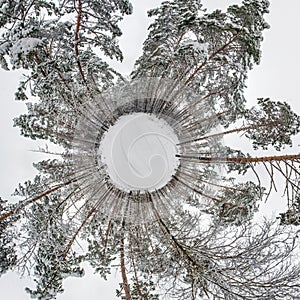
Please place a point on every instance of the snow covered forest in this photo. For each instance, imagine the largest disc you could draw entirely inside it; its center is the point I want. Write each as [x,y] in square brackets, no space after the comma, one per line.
[147,175]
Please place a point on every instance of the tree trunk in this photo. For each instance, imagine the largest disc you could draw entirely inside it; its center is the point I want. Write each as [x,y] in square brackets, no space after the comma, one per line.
[123,269]
[241,159]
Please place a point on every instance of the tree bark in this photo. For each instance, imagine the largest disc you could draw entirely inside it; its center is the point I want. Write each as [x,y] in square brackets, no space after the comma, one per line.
[123,269]
[242,159]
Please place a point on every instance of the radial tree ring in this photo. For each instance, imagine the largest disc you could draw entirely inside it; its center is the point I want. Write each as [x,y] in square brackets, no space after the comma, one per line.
[128,144]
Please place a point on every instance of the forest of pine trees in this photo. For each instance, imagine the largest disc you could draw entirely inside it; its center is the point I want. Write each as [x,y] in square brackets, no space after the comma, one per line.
[194,238]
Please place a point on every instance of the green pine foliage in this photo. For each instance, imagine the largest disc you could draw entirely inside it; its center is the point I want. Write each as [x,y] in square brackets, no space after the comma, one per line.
[8,235]
[195,238]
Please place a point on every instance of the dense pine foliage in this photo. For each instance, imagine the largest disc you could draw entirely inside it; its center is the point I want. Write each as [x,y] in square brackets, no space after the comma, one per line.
[195,238]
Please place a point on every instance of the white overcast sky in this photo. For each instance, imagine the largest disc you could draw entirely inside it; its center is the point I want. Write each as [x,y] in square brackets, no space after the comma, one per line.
[276,77]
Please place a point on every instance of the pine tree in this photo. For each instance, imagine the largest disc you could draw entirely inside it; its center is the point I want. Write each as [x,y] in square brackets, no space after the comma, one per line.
[7,239]
[195,237]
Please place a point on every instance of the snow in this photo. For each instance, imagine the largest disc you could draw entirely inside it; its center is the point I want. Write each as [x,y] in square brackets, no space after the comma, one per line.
[202,47]
[3,47]
[4,7]
[24,46]
[139,152]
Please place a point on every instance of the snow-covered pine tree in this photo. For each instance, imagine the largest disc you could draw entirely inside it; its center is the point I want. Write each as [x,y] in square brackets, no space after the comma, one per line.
[8,234]
[194,238]
[59,42]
